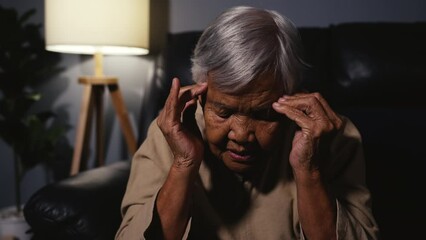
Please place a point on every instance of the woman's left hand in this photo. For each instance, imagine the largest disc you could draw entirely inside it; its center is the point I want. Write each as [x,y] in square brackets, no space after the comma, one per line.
[316,119]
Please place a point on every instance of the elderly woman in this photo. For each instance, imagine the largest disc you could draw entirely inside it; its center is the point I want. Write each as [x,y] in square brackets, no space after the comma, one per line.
[243,153]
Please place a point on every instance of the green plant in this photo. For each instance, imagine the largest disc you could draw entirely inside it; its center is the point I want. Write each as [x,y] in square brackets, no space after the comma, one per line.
[24,66]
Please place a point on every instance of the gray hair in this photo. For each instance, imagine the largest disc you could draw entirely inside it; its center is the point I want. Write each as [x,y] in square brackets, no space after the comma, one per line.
[244,43]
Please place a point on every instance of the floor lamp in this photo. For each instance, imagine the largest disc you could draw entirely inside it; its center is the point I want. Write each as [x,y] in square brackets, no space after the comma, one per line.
[98,27]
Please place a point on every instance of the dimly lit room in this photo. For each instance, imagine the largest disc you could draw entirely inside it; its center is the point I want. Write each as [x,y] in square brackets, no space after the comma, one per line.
[96,96]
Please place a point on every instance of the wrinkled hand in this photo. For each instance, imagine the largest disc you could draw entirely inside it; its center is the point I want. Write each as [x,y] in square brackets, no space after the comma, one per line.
[177,122]
[316,119]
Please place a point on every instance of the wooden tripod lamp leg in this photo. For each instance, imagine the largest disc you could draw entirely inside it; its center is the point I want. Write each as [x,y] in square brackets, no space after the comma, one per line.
[98,91]
[92,97]
[81,129]
[120,109]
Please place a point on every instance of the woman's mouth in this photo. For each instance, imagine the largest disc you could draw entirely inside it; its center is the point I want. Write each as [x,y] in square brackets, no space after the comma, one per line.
[241,157]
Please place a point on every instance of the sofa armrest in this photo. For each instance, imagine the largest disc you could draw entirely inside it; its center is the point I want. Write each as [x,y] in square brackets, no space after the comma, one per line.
[84,206]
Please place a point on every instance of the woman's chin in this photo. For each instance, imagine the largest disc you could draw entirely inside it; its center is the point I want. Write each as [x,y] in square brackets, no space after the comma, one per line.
[241,167]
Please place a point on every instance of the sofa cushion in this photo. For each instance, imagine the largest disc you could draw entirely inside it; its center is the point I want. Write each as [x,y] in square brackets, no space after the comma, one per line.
[85,206]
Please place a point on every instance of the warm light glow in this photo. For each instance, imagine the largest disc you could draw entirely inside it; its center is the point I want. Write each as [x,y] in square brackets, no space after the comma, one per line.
[87,49]
[112,27]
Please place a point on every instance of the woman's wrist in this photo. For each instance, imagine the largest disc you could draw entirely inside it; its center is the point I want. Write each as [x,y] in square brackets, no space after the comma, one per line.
[183,164]
[184,168]
[307,177]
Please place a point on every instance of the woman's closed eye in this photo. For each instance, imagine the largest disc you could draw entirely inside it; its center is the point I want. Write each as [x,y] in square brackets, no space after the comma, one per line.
[224,113]
[268,114]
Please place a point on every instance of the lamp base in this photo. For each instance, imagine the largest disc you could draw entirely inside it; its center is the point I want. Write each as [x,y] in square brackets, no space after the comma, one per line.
[92,100]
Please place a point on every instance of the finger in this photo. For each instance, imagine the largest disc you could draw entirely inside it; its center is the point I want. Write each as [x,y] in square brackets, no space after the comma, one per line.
[308,104]
[190,94]
[308,114]
[334,118]
[319,122]
[178,99]
[297,115]
[172,102]
[188,117]
[193,90]
[165,118]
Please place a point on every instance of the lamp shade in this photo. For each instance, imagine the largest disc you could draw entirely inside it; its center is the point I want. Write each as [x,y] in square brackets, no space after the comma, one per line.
[118,27]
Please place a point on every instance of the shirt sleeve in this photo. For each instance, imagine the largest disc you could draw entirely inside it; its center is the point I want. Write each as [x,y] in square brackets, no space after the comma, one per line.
[149,168]
[353,199]
[346,175]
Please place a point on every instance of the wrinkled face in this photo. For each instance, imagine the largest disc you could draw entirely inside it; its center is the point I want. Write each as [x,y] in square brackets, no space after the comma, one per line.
[242,129]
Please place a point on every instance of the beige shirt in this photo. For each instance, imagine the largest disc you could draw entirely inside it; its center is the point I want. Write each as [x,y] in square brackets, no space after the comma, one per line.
[225,206]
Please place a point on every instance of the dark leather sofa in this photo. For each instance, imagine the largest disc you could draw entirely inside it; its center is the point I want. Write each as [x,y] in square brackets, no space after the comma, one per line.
[374,73]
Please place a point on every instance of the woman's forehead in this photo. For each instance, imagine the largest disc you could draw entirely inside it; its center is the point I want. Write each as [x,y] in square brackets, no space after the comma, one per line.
[265,82]
[254,98]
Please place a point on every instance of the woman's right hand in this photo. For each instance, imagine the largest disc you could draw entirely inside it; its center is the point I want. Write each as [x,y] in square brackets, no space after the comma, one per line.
[179,127]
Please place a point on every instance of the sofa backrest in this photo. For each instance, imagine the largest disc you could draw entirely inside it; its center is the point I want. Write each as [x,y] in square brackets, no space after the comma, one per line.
[378,79]
[374,73]
[375,64]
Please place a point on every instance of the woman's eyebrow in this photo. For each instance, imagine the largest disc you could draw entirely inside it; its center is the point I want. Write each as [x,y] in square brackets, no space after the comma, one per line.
[260,109]
[217,104]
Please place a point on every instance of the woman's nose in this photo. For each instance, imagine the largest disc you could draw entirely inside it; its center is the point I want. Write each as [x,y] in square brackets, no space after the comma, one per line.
[241,129]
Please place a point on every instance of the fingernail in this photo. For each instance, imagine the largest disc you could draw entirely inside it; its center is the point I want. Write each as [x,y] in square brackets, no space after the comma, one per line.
[282,99]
